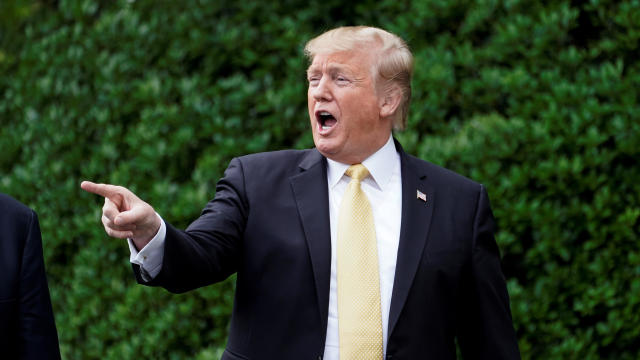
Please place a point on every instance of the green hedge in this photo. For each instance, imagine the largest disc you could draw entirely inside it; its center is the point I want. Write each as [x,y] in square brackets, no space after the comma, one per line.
[537,101]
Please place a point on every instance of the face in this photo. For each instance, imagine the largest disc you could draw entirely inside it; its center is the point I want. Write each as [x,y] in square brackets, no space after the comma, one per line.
[347,115]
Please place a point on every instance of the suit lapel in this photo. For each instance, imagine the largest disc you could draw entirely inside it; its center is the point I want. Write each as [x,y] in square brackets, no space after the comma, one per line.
[311,194]
[414,228]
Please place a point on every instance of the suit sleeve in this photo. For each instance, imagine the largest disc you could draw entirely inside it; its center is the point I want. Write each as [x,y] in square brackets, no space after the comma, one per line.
[485,327]
[38,336]
[208,251]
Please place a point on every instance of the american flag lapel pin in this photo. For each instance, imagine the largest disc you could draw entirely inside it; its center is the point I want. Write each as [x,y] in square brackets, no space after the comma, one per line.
[420,195]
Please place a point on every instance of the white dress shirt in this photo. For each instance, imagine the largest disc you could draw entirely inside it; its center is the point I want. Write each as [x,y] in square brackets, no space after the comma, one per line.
[383,188]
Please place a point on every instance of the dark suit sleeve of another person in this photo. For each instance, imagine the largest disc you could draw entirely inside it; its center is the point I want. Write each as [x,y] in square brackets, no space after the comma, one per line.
[485,329]
[27,327]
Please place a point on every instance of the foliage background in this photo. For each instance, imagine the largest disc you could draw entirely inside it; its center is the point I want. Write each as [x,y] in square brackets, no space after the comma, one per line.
[537,100]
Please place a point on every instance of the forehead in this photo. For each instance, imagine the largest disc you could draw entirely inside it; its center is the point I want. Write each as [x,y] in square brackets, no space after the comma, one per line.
[352,60]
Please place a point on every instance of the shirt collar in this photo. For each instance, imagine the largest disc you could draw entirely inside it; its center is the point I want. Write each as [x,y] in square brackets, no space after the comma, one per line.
[380,165]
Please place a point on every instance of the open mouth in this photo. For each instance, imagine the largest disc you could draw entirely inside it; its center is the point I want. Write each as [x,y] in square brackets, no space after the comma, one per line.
[325,120]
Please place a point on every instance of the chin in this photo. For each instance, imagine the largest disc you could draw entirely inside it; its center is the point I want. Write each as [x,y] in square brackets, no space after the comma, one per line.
[325,147]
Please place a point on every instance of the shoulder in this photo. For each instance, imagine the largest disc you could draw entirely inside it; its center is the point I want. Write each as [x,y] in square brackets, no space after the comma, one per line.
[271,158]
[277,163]
[13,210]
[439,175]
[435,175]
[446,183]
[16,223]
[270,172]
[458,198]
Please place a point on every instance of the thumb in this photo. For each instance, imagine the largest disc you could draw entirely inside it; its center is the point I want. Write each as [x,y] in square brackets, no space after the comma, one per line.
[137,215]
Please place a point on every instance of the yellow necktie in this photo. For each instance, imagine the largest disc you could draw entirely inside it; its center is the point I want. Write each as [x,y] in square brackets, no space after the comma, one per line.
[359,316]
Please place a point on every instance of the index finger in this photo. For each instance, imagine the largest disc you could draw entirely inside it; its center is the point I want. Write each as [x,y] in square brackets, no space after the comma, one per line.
[105,190]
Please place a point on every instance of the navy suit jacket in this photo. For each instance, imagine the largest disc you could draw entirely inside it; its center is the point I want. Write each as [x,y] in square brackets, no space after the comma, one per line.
[27,328]
[269,223]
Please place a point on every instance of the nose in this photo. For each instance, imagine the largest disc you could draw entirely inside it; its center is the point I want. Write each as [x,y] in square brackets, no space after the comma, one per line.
[321,91]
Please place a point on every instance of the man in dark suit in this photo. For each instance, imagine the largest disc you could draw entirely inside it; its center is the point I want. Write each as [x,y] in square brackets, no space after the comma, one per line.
[278,220]
[27,327]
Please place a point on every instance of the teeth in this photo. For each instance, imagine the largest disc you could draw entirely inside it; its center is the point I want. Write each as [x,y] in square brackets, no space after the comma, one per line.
[324,113]
[325,127]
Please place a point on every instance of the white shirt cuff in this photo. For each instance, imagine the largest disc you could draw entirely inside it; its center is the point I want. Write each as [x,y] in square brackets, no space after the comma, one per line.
[151,256]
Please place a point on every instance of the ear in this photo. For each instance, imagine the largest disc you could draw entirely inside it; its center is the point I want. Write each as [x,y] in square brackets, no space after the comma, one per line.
[390,101]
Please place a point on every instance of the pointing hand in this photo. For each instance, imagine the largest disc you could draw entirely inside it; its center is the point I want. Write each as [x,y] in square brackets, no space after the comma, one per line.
[124,215]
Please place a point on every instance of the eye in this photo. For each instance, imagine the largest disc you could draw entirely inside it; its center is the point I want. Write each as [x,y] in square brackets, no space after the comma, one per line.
[341,80]
[313,80]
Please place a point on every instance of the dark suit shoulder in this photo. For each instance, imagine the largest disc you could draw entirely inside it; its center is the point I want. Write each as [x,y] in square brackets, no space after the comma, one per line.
[269,157]
[13,212]
[261,166]
[9,205]
[439,175]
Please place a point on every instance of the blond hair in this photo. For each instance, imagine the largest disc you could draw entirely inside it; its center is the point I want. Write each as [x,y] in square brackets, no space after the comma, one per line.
[394,65]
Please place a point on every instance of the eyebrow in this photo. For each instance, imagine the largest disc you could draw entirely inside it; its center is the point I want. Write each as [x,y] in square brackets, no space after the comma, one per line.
[330,68]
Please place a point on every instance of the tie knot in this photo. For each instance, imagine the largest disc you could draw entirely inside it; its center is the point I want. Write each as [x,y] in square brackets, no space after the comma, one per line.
[357,172]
